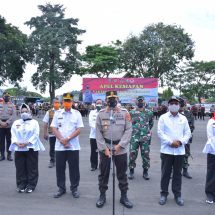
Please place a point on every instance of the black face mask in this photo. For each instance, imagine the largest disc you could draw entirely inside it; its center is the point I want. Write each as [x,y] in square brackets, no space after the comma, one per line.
[140,105]
[6,99]
[112,102]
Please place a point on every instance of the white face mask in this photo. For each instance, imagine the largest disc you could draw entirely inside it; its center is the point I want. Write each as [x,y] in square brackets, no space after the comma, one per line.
[25,116]
[174,108]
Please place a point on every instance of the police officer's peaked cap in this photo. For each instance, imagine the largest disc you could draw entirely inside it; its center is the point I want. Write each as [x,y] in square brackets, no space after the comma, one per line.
[140,98]
[110,94]
[67,96]
[173,98]
[6,94]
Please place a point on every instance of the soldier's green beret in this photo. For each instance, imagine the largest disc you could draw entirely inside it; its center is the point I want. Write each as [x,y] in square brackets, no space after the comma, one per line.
[140,98]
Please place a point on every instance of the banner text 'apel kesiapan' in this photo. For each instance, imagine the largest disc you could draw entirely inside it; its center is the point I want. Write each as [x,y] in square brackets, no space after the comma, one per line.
[127,88]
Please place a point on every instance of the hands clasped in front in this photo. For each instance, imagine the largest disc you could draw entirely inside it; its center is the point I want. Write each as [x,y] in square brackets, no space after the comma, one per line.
[116,150]
[176,144]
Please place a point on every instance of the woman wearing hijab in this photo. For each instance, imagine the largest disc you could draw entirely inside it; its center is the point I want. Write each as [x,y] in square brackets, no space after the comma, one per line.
[26,144]
[209,149]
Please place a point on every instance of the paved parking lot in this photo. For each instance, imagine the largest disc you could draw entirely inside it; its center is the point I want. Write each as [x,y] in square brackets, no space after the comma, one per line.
[144,194]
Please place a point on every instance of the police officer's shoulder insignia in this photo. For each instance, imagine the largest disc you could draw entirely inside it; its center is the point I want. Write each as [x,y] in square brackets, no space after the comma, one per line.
[102,110]
[128,117]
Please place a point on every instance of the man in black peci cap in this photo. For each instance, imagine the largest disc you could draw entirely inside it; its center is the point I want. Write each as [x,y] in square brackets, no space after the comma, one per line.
[174,133]
[113,123]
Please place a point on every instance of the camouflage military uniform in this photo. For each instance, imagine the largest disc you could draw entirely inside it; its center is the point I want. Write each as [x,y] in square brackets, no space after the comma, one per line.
[190,119]
[142,122]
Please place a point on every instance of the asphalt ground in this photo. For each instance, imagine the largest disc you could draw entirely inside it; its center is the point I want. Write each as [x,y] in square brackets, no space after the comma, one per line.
[144,194]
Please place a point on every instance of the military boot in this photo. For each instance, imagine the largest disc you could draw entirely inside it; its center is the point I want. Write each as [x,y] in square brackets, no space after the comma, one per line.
[101,201]
[186,173]
[125,201]
[131,174]
[145,174]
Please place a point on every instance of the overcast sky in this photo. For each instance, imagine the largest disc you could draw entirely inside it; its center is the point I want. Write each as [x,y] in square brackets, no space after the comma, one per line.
[109,20]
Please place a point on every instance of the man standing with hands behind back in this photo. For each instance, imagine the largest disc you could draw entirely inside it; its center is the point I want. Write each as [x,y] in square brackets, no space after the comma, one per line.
[174,133]
[118,129]
[66,126]
[7,115]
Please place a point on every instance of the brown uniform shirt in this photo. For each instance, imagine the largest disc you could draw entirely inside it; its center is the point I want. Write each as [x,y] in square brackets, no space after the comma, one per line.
[120,130]
[7,113]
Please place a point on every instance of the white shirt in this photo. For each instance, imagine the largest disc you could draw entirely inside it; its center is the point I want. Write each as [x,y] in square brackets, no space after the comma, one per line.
[210,144]
[172,128]
[92,123]
[67,122]
[25,131]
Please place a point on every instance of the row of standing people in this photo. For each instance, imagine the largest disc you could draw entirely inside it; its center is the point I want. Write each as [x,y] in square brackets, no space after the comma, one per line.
[66,126]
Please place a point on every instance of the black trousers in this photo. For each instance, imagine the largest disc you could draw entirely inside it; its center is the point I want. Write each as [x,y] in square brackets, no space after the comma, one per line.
[210,177]
[52,141]
[5,133]
[26,169]
[121,164]
[72,157]
[171,163]
[94,153]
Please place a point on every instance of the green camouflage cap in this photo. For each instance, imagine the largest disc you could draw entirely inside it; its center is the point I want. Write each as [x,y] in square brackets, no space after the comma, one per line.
[140,98]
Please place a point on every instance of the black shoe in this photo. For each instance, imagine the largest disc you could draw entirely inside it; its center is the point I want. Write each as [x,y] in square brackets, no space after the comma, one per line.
[186,174]
[179,201]
[2,157]
[145,174]
[28,190]
[125,201]
[93,169]
[59,193]
[210,199]
[75,194]
[101,201]
[51,164]
[20,190]
[163,200]
[131,174]
[9,158]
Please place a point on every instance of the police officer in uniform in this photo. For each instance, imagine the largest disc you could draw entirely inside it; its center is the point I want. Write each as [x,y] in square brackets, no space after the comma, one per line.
[7,114]
[48,134]
[142,123]
[66,126]
[119,129]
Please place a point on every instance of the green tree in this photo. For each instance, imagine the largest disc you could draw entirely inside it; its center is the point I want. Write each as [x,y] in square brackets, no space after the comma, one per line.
[100,60]
[157,52]
[54,42]
[167,94]
[13,53]
[198,80]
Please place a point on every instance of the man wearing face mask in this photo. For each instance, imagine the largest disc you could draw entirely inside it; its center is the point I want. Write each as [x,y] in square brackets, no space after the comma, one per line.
[174,134]
[66,126]
[48,134]
[113,123]
[142,123]
[92,123]
[7,115]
